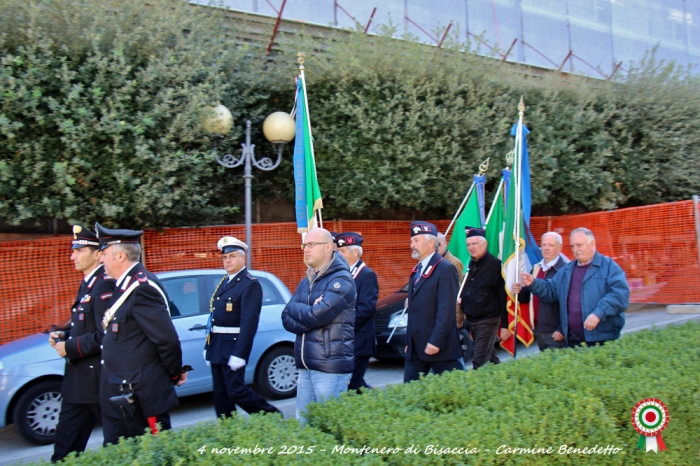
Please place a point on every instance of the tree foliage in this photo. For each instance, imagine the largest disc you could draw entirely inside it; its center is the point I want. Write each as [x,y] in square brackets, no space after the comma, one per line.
[409,125]
[100,103]
[99,110]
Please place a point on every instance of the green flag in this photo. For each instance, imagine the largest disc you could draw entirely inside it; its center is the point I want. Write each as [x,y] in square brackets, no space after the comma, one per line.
[471,217]
[307,192]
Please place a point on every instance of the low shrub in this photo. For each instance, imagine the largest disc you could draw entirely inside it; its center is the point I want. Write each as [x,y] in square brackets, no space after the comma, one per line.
[569,406]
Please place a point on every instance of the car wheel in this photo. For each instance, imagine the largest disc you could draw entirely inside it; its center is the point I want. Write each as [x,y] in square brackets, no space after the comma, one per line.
[467,344]
[36,413]
[277,373]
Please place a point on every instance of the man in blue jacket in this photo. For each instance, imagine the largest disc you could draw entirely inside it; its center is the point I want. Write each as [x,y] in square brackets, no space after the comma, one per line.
[592,292]
[350,247]
[322,315]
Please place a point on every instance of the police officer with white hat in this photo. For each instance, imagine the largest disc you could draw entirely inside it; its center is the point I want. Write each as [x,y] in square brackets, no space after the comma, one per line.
[233,321]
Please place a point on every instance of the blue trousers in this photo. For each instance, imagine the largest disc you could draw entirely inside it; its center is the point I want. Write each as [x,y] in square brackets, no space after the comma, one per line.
[316,386]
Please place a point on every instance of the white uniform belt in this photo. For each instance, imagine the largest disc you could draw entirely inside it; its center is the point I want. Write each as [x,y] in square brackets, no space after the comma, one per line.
[216,329]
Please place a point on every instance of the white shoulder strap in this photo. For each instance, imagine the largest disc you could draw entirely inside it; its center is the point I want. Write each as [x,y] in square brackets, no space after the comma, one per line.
[117,304]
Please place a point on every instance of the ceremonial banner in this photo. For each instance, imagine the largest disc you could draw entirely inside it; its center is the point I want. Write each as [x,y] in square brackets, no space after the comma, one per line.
[494,222]
[471,216]
[308,202]
[515,259]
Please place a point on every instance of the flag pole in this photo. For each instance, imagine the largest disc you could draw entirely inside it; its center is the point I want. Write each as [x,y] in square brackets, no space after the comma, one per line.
[318,205]
[518,215]
[461,287]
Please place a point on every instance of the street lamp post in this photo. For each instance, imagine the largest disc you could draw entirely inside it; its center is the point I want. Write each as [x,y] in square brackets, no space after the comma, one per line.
[278,128]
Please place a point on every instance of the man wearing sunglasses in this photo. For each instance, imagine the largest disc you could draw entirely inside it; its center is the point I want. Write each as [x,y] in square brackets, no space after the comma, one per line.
[322,315]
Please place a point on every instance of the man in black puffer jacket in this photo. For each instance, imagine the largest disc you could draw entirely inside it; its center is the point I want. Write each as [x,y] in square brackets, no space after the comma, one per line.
[322,315]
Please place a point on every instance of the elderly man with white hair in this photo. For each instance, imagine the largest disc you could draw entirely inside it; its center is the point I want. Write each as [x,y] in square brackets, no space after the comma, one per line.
[545,315]
[592,293]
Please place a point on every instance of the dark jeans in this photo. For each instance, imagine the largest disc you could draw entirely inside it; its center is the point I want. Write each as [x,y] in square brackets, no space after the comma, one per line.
[414,367]
[545,341]
[485,335]
[577,338]
[358,375]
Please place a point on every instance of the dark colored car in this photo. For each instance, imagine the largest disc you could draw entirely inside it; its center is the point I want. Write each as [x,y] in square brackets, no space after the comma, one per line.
[390,317]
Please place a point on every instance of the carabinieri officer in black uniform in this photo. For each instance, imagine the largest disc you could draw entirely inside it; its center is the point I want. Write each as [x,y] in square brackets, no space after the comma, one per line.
[350,247]
[233,321]
[141,355]
[80,346]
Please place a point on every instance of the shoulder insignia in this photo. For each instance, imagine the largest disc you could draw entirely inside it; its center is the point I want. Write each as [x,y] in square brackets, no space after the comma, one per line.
[141,277]
[92,282]
[105,296]
[250,276]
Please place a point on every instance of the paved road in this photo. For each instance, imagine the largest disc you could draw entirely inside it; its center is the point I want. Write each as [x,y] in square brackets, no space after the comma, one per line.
[199,408]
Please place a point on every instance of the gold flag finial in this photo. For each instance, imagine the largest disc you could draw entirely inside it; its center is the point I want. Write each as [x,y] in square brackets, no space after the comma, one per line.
[521,106]
[510,157]
[300,58]
[483,168]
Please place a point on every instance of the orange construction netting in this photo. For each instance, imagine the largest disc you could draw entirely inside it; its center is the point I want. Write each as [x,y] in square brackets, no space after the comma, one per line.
[656,246]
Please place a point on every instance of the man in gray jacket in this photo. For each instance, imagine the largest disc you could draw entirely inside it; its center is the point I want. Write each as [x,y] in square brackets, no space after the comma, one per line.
[592,292]
[322,315]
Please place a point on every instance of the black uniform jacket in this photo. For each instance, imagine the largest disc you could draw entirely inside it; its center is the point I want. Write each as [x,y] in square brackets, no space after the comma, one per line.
[81,381]
[367,295]
[141,347]
[235,304]
[431,311]
[484,293]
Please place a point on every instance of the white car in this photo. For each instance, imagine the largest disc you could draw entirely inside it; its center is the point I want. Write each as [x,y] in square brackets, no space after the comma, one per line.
[31,371]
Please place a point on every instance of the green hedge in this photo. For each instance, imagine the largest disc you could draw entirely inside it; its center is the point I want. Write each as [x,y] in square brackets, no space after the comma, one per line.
[574,398]
[101,102]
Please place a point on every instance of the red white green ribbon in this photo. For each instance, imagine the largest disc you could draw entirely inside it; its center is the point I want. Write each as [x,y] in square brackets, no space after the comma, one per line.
[649,419]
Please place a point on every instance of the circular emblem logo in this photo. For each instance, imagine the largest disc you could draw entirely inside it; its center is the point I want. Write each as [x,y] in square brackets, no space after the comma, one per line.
[336,285]
[650,417]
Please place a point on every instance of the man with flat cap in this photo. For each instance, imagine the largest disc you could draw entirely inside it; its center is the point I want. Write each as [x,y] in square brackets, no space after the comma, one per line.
[233,322]
[141,355]
[350,247]
[432,341]
[483,299]
[80,346]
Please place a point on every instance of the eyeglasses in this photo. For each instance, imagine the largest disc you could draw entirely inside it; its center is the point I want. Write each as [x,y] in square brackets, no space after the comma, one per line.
[310,245]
